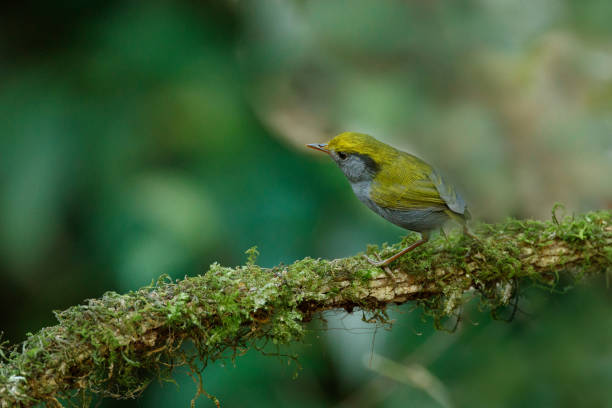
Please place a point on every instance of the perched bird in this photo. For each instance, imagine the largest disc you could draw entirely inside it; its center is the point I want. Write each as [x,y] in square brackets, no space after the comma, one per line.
[398,186]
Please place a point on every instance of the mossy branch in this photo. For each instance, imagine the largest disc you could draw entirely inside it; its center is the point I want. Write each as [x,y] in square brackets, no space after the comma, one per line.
[115,345]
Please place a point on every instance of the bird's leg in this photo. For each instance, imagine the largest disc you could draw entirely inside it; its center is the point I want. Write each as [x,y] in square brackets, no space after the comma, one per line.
[466,231]
[444,235]
[385,262]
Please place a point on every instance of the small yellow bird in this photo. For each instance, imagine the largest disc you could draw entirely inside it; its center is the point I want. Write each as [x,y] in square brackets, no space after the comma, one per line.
[398,186]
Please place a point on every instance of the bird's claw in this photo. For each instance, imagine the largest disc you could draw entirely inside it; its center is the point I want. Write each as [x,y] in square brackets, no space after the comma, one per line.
[466,231]
[380,264]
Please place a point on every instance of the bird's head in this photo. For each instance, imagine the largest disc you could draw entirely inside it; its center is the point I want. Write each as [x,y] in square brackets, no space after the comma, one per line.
[358,155]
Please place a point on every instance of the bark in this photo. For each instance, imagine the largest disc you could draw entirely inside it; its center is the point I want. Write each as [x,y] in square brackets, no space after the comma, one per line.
[115,345]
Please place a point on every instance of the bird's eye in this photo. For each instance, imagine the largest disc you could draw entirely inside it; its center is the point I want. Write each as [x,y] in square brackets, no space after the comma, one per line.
[342,155]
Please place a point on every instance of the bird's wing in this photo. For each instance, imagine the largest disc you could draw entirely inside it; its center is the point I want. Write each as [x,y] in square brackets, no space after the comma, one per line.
[411,183]
[405,184]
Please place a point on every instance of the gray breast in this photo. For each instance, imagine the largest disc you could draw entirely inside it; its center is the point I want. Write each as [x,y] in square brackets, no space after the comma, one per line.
[422,219]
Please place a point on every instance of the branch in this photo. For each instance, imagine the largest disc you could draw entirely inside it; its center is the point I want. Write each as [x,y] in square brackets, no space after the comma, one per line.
[114,346]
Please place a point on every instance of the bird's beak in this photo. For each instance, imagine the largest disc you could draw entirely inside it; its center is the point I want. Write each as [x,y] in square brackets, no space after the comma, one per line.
[319,146]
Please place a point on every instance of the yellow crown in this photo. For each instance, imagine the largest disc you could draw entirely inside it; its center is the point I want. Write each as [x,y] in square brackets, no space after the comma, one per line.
[360,143]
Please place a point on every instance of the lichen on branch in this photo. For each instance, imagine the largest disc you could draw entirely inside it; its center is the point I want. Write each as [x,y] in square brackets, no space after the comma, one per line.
[116,345]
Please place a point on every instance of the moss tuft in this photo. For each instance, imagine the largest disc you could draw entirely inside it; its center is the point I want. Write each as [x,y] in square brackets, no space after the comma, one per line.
[116,345]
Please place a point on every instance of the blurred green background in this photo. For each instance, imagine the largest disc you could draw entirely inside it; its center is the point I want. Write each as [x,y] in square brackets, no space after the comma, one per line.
[142,138]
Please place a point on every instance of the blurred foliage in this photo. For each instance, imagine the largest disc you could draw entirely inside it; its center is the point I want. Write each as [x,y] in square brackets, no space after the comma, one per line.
[141,138]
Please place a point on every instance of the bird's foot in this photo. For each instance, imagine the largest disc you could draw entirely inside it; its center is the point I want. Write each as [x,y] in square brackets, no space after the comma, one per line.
[380,263]
[466,231]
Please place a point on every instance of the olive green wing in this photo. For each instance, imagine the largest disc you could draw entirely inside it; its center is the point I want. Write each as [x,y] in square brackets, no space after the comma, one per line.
[405,184]
[410,183]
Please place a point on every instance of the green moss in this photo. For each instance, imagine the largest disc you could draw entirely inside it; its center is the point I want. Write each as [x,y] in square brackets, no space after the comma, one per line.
[118,344]
[499,261]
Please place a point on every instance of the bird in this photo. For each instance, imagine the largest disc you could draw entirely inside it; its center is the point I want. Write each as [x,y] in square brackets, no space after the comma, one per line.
[396,185]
